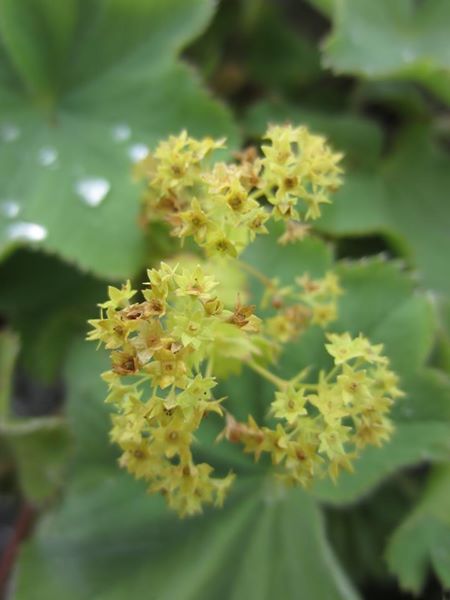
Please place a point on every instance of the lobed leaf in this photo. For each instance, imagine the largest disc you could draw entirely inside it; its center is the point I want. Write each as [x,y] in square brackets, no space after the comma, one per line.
[264,542]
[86,88]
[423,538]
[384,39]
[402,196]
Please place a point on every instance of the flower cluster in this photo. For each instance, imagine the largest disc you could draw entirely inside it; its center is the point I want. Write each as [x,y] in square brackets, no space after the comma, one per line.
[158,381]
[308,302]
[170,348]
[325,424]
[163,353]
[225,206]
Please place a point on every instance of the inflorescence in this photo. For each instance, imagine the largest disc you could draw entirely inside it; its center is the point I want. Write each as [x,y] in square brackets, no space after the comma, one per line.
[169,348]
[224,207]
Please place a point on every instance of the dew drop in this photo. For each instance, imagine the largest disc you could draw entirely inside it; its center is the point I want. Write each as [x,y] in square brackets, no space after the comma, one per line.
[121,132]
[27,232]
[408,55]
[92,190]
[9,208]
[9,132]
[47,156]
[138,152]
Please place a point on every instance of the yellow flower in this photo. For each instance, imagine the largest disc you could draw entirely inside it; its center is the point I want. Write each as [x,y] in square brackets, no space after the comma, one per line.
[322,314]
[119,298]
[223,206]
[221,246]
[344,348]
[194,282]
[289,404]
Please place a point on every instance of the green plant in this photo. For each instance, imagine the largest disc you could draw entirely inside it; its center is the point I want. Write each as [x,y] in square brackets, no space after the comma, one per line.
[87,88]
[182,335]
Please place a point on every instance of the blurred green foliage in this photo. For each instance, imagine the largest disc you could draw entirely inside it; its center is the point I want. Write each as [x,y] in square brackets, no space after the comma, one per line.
[86,86]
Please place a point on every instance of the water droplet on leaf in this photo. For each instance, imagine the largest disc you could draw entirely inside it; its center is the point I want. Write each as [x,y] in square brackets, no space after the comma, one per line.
[47,156]
[121,132]
[9,132]
[92,190]
[10,208]
[138,152]
[27,232]
[408,55]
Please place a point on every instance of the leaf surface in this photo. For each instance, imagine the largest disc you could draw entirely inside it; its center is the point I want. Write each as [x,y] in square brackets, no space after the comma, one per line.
[87,88]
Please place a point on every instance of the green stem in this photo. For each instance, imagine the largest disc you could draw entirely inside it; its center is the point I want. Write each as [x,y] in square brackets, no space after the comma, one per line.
[300,376]
[257,274]
[332,373]
[277,381]
[309,386]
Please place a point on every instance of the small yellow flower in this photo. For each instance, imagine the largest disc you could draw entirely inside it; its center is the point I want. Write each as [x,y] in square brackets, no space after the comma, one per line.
[119,298]
[194,282]
[289,404]
[344,348]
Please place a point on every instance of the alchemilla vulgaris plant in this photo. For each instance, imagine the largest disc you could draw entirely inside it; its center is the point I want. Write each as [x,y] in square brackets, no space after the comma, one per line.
[192,325]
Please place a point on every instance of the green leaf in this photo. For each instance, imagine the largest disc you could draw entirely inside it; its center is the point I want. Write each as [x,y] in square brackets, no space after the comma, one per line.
[382,302]
[417,177]
[383,39]
[311,255]
[87,414]
[423,538]
[38,446]
[47,303]
[256,547]
[266,542]
[359,532]
[359,138]
[9,348]
[38,60]
[276,56]
[101,82]
[402,197]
